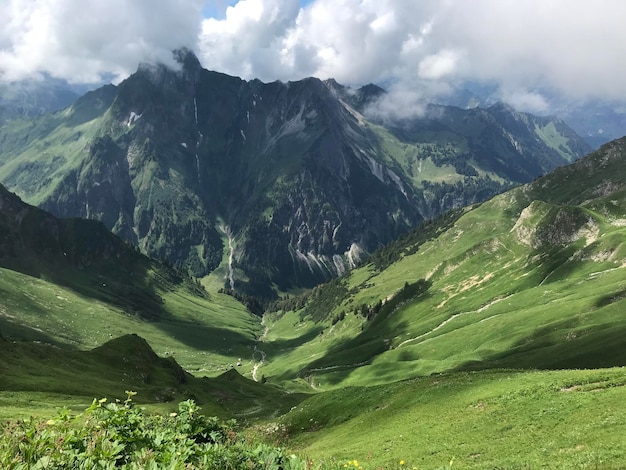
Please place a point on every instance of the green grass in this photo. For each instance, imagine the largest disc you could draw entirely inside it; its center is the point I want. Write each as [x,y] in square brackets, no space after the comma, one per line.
[38,377]
[532,279]
[495,419]
[205,335]
[553,139]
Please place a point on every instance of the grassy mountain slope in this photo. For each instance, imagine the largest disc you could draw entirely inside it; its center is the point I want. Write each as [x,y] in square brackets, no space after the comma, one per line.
[490,419]
[532,278]
[37,375]
[71,282]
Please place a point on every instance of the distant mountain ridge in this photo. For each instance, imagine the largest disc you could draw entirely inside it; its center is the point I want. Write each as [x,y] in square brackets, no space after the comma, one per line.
[278,184]
[33,97]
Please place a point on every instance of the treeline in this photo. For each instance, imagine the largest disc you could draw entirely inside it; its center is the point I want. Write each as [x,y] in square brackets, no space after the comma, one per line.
[316,303]
[382,309]
[410,242]
[253,304]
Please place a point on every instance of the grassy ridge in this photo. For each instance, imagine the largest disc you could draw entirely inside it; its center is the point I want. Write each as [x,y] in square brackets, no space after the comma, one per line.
[38,377]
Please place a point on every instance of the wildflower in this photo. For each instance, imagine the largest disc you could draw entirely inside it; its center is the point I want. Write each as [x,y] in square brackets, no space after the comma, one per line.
[401,462]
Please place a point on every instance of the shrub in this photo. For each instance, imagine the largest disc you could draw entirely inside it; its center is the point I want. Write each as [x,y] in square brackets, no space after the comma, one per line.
[121,435]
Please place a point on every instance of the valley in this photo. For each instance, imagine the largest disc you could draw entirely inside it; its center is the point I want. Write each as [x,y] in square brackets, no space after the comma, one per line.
[441,292]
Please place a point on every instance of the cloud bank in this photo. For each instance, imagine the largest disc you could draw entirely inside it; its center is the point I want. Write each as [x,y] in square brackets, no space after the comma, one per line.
[84,40]
[571,48]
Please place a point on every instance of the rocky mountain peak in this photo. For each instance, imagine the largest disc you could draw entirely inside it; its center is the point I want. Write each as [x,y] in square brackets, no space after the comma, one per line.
[278,183]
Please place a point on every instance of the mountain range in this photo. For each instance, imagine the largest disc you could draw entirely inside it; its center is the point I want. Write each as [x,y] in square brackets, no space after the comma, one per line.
[497,326]
[279,185]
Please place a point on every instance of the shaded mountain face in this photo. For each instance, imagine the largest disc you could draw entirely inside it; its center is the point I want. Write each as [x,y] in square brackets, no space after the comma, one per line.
[84,255]
[284,184]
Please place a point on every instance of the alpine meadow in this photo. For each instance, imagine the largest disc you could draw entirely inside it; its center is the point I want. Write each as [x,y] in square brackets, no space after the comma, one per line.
[202,271]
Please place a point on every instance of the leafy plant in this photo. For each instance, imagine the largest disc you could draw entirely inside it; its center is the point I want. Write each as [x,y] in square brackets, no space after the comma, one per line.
[121,435]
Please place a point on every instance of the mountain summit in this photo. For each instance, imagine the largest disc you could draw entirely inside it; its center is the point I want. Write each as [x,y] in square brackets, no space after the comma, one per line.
[282,184]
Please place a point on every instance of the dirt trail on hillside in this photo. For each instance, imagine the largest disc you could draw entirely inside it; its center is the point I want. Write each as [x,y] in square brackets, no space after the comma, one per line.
[454,317]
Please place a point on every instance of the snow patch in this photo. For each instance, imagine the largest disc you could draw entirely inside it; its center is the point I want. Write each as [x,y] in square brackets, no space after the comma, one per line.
[184,144]
[132,118]
[242,134]
[195,108]
[248,116]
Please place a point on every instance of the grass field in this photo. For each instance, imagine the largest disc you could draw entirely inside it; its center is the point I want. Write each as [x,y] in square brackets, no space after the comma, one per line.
[489,419]
[497,343]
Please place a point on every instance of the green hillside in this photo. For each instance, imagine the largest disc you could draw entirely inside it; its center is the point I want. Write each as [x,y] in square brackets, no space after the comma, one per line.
[532,278]
[71,282]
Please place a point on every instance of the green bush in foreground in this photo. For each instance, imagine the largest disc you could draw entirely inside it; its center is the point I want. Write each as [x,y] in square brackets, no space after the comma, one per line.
[121,435]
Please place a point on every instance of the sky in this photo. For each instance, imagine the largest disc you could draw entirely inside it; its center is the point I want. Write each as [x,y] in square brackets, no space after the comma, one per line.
[528,50]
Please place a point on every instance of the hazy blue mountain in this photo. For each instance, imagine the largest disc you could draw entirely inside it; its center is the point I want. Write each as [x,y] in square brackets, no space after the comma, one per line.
[33,97]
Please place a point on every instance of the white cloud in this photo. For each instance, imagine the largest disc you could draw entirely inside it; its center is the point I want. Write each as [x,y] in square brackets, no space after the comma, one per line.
[439,65]
[529,101]
[83,39]
[570,47]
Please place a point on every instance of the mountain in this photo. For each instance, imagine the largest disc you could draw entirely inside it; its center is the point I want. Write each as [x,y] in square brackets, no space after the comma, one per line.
[281,185]
[597,121]
[33,97]
[129,363]
[444,330]
[72,284]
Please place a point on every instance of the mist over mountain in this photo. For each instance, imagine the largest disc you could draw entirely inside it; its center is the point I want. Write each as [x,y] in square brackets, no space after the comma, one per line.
[597,121]
[33,97]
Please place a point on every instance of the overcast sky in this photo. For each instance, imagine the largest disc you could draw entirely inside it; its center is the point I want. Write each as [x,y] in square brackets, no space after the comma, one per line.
[575,48]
